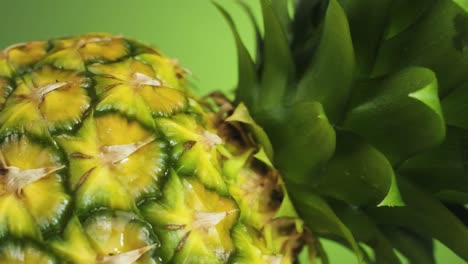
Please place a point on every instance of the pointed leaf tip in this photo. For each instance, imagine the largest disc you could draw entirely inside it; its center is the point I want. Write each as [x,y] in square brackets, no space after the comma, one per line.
[247,86]
[404,104]
[328,78]
[278,66]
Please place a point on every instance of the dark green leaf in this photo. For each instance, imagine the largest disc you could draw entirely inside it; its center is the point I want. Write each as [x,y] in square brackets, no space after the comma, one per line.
[443,170]
[367,20]
[455,106]
[281,8]
[453,196]
[418,250]
[278,67]
[462,3]
[303,139]
[365,230]
[306,28]
[241,114]
[357,174]
[460,210]
[438,41]
[321,219]
[399,114]
[404,13]
[247,87]
[258,35]
[425,215]
[329,77]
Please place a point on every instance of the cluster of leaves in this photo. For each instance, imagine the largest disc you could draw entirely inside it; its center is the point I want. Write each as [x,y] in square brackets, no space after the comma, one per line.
[366,104]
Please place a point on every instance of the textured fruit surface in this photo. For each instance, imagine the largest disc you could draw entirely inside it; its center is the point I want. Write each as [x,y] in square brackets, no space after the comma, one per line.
[106,157]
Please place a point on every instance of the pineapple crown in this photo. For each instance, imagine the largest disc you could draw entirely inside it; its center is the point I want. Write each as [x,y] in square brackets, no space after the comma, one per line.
[364,102]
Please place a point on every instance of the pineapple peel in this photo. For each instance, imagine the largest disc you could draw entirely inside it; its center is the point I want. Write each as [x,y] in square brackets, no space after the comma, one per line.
[107,157]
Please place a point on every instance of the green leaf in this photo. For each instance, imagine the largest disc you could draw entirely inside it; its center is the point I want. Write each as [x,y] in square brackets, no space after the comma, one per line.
[247,86]
[262,156]
[278,67]
[320,218]
[357,173]
[306,32]
[329,77]
[393,197]
[365,230]
[241,114]
[437,40]
[460,210]
[367,21]
[418,249]
[303,139]
[462,3]
[455,107]
[405,13]
[425,215]
[453,196]
[443,170]
[287,208]
[281,8]
[399,114]
[258,34]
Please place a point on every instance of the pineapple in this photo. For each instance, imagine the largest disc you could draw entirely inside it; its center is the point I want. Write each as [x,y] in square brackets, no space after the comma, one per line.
[106,157]
[365,103]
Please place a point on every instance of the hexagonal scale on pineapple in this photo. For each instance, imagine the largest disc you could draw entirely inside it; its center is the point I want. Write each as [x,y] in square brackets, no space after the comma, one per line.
[166,69]
[72,53]
[19,252]
[73,243]
[32,198]
[132,88]
[103,48]
[22,56]
[15,219]
[192,222]
[107,237]
[120,237]
[45,99]
[202,158]
[114,163]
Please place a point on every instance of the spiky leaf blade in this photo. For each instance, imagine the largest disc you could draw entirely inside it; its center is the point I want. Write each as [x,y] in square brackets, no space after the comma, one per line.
[313,144]
[329,77]
[404,104]
[320,217]
[418,249]
[357,174]
[425,215]
[367,20]
[365,230]
[247,91]
[442,170]
[435,40]
[278,67]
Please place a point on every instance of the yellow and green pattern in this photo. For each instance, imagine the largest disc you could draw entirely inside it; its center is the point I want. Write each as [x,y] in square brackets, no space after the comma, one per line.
[106,157]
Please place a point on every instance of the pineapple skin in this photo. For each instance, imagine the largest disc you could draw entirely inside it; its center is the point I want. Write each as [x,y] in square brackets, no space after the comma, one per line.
[106,157]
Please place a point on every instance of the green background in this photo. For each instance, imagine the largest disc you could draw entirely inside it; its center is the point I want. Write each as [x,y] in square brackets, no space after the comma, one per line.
[189,30]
